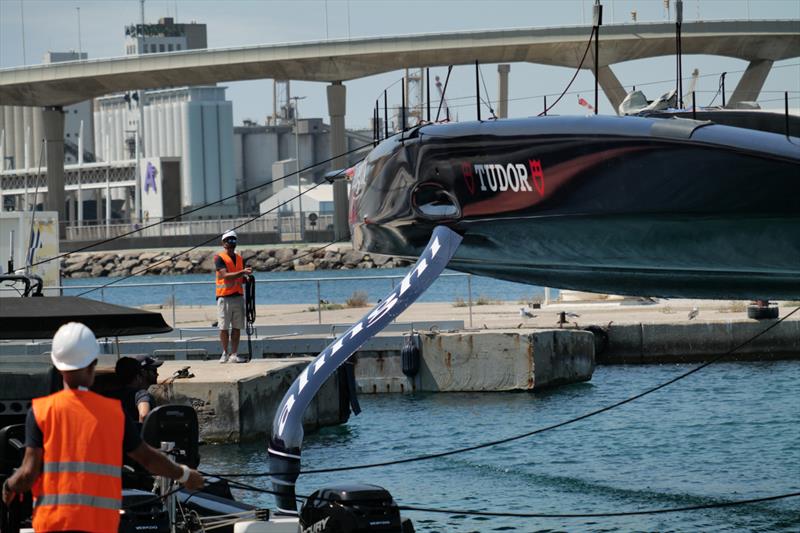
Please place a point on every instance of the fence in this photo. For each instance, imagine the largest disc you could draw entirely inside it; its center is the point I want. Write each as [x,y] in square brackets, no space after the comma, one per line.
[169,288]
[286,226]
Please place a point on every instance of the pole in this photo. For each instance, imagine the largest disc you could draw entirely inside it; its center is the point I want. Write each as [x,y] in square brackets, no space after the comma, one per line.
[469,297]
[403,105]
[428,90]
[319,305]
[678,22]
[545,106]
[478,91]
[108,189]
[786,110]
[723,89]
[694,109]
[385,115]
[598,21]
[139,144]
[297,159]
[80,167]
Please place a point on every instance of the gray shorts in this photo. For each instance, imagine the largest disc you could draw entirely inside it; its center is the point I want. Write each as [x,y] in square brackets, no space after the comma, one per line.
[230,312]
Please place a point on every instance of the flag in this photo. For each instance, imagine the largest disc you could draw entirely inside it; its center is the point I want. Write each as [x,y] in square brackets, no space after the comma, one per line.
[584,103]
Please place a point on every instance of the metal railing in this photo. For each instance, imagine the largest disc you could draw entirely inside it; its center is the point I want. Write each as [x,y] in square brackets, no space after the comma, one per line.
[286,226]
[393,279]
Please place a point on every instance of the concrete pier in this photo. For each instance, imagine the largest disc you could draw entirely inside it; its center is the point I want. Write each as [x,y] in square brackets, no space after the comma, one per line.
[237,402]
[482,361]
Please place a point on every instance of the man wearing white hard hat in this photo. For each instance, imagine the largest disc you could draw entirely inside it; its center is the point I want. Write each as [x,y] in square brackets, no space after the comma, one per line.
[231,274]
[74,441]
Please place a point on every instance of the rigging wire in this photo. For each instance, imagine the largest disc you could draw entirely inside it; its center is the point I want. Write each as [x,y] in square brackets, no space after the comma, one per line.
[247,487]
[213,239]
[575,75]
[701,507]
[194,210]
[485,90]
[535,431]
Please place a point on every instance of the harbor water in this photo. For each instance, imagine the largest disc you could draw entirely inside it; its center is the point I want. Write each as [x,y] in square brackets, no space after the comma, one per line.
[301,287]
[728,432]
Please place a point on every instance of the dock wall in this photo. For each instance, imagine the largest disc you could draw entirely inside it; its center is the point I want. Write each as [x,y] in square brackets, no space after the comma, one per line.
[701,341]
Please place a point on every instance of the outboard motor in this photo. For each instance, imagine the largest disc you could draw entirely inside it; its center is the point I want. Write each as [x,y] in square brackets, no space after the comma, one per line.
[353,508]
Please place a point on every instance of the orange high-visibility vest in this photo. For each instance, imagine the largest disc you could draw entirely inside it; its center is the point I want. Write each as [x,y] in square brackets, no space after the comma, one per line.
[228,287]
[81,483]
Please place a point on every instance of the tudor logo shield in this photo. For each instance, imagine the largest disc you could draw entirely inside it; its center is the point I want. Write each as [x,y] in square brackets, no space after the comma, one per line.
[496,177]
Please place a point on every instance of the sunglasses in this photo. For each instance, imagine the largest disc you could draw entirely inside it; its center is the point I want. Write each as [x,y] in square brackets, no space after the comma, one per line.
[230,239]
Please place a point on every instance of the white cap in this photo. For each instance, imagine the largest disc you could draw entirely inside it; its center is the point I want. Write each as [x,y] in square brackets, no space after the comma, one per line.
[74,347]
[229,233]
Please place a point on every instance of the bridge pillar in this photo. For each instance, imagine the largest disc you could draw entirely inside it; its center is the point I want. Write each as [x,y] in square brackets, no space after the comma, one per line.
[612,87]
[54,145]
[337,105]
[502,90]
[749,87]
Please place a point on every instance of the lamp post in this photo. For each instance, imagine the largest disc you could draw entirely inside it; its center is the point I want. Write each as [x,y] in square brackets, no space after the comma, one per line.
[297,161]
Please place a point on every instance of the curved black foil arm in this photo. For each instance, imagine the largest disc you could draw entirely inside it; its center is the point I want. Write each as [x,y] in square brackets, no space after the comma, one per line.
[287,428]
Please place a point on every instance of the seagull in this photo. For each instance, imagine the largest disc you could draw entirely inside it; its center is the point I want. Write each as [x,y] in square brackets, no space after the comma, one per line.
[524,312]
[694,312]
[572,315]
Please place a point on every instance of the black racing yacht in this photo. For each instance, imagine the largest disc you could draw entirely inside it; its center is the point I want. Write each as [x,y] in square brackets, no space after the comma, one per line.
[667,207]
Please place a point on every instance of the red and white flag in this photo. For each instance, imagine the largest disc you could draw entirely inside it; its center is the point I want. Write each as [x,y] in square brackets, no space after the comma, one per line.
[584,103]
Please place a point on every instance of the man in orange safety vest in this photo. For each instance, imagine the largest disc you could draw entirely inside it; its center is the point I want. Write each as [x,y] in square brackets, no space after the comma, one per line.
[231,274]
[74,441]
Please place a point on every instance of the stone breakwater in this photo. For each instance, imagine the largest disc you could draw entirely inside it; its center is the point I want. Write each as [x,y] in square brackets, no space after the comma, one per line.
[116,264]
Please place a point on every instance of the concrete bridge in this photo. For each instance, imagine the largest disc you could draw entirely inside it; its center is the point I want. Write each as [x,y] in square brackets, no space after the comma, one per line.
[336,61]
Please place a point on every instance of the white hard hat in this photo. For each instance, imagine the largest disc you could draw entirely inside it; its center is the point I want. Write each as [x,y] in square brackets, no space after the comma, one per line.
[74,347]
[229,233]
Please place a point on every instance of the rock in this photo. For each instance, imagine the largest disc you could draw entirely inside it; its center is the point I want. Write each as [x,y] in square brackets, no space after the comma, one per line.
[263,255]
[207,265]
[380,260]
[352,258]
[184,265]
[247,255]
[365,265]
[284,255]
[308,267]
[127,264]
[270,264]
[148,256]
[98,271]
[76,267]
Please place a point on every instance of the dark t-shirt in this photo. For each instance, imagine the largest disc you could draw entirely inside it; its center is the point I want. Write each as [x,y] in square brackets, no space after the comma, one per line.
[219,263]
[35,439]
[131,397]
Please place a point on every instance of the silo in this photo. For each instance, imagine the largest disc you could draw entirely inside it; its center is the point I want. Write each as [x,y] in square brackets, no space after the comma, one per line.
[8,127]
[210,151]
[27,117]
[3,137]
[158,128]
[19,137]
[117,125]
[149,126]
[178,117]
[225,136]
[169,129]
[193,173]
[38,134]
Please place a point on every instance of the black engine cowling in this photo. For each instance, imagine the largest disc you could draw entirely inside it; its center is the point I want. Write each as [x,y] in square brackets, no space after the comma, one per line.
[353,508]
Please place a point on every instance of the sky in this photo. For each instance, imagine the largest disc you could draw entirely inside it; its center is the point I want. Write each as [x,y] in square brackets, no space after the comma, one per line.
[53,25]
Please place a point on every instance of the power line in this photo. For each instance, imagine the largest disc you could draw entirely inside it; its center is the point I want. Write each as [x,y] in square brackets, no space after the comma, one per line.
[715,505]
[539,430]
[175,217]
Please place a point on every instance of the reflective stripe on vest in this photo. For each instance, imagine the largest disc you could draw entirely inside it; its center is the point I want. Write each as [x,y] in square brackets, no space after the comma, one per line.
[80,499]
[230,286]
[81,466]
[80,488]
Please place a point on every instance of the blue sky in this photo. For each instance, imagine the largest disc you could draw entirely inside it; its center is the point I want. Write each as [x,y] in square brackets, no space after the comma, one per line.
[53,25]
